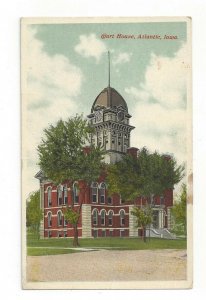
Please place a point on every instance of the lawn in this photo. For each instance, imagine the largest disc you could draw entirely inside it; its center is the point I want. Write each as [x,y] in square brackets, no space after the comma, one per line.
[111,243]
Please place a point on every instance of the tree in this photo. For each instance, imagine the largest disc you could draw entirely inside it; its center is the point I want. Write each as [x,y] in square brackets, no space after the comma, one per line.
[61,158]
[147,175]
[33,212]
[143,218]
[150,174]
[179,212]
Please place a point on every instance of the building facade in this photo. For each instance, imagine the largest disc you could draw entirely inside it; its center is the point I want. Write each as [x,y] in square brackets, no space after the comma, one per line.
[101,214]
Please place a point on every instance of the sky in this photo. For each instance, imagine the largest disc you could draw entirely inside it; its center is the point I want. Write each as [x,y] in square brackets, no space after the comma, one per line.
[66,67]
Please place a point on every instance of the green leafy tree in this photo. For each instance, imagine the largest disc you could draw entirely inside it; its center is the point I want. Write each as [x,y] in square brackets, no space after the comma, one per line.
[148,175]
[33,212]
[61,158]
[179,212]
[143,218]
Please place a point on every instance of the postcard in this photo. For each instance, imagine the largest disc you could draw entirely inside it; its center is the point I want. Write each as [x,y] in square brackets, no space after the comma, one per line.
[106,153]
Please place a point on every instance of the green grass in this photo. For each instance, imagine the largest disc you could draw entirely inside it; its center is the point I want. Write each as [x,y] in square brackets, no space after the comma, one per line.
[120,243]
[47,251]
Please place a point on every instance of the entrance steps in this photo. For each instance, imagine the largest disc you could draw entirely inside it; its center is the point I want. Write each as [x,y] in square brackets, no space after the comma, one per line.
[160,233]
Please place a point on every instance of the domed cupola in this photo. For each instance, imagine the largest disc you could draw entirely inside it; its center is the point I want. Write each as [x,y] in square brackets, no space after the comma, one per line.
[109,98]
[110,118]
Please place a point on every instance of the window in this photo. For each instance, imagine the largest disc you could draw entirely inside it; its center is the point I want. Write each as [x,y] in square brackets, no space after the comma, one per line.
[94,192]
[59,234]
[49,234]
[95,233]
[102,193]
[59,218]
[103,217]
[65,199]
[65,234]
[103,233]
[49,219]
[122,218]
[49,191]
[111,233]
[65,222]
[59,195]
[122,233]
[95,217]
[110,217]
[76,192]
[161,200]
[109,200]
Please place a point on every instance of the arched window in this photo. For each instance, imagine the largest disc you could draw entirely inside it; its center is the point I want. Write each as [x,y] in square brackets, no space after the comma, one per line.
[49,219]
[59,218]
[94,192]
[102,193]
[76,192]
[95,217]
[110,218]
[49,194]
[65,201]
[122,218]
[103,217]
[59,194]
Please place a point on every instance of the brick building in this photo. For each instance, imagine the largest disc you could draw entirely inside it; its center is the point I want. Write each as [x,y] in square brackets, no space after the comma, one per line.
[101,215]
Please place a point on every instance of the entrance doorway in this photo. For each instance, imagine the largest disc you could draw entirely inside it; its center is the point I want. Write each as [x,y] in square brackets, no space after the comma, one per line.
[155,221]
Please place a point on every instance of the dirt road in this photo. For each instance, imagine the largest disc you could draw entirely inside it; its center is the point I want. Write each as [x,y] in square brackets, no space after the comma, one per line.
[105,265]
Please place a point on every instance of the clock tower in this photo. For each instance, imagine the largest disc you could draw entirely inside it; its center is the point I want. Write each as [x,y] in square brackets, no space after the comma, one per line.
[110,118]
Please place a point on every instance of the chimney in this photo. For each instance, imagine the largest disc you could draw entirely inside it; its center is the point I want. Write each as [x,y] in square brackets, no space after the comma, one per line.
[86,150]
[132,151]
[167,156]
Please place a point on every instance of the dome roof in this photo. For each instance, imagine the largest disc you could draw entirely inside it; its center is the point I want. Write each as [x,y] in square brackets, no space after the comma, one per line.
[109,98]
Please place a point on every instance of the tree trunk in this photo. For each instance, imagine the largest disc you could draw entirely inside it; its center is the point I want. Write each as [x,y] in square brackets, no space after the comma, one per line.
[144,234]
[75,240]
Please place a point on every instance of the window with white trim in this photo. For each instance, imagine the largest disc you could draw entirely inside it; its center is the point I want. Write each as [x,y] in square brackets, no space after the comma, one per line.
[95,217]
[122,233]
[111,233]
[49,196]
[102,192]
[76,193]
[110,218]
[94,192]
[49,219]
[65,222]
[103,217]
[59,195]
[122,218]
[59,218]
[65,198]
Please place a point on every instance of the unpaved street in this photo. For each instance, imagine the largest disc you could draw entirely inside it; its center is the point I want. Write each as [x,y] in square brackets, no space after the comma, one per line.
[107,265]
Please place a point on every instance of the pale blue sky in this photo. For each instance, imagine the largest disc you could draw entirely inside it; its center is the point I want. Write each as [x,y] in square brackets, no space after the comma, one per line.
[67,68]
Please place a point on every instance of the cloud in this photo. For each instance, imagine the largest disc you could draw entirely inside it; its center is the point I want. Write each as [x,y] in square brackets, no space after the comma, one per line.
[52,86]
[160,114]
[122,58]
[90,46]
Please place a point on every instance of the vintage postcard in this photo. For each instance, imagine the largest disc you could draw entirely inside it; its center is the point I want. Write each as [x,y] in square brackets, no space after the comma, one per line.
[106,153]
